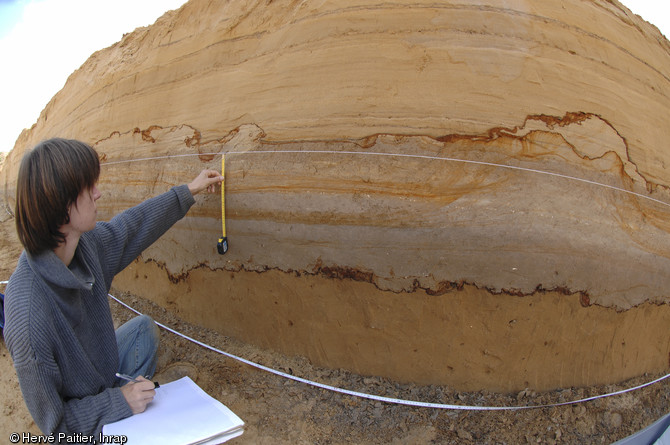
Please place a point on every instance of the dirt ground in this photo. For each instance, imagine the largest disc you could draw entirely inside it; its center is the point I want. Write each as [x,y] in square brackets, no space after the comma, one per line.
[282,411]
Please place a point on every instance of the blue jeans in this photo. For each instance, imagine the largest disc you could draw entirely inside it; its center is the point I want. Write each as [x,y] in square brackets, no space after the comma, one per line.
[138,340]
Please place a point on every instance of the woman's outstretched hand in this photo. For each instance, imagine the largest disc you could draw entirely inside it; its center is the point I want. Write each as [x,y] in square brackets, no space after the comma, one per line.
[207,179]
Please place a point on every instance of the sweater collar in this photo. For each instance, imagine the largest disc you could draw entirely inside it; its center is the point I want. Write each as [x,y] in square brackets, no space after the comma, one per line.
[48,266]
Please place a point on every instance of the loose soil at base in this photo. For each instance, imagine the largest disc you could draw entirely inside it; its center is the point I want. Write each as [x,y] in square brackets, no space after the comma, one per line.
[281,411]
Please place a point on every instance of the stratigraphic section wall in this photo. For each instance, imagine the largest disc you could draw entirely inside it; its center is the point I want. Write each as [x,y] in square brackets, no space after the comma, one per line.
[470,193]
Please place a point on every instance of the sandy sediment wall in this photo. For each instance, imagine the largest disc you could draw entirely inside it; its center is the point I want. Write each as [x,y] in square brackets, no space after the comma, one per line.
[470,193]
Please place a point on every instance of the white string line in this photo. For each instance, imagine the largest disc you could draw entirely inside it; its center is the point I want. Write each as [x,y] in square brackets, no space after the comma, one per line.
[403,155]
[376,397]
[382,398]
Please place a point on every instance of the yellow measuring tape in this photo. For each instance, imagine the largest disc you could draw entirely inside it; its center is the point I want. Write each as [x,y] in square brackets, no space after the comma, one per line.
[222,245]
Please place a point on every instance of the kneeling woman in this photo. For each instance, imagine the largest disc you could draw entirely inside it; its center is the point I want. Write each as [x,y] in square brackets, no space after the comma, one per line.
[58,324]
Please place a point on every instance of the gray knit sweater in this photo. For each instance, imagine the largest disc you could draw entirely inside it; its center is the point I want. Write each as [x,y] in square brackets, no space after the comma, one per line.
[59,328]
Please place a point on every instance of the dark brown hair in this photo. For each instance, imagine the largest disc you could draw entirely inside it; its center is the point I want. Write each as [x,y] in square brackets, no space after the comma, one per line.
[51,176]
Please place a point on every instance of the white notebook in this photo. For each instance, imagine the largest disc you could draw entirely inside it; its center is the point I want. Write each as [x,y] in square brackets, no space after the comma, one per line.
[180,414]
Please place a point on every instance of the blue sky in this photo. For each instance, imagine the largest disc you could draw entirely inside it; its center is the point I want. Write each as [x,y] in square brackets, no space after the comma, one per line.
[10,10]
[56,36]
[62,34]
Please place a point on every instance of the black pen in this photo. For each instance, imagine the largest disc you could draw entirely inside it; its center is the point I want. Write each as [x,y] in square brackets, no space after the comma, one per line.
[130,379]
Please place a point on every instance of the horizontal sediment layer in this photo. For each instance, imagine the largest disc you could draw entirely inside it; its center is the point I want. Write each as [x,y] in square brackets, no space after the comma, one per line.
[466,338]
